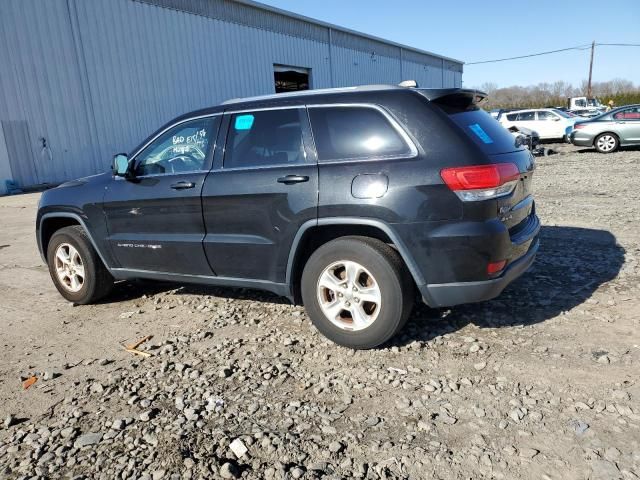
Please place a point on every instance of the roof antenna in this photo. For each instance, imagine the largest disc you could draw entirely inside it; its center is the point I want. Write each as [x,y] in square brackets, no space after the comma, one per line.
[408,84]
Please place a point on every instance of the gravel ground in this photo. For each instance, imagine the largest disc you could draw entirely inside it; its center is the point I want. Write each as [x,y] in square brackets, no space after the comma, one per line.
[540,383]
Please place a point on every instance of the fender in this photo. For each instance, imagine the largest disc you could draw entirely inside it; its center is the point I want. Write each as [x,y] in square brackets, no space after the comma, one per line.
[385,227]
[82,223]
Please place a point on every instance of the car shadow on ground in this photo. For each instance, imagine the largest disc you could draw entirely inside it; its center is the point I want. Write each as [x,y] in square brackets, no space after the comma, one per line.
[593,150]
[132,290]
[571,264]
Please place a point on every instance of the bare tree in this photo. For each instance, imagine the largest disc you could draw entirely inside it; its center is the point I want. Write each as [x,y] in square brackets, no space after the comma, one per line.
[545,94]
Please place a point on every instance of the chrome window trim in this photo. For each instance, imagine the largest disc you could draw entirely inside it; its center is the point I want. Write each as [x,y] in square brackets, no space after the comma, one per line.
[263,109]
[413,150]
[152,175]
[141,149]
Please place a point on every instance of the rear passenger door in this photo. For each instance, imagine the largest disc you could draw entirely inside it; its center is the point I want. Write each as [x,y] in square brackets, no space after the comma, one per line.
[628,125]
[263,187]
[364,157]
[528,120]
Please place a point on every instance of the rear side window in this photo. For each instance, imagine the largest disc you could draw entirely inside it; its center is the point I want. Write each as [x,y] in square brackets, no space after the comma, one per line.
[546,116]
[526,116]
[512,117]
[351,133]
[264,138]
[628,114]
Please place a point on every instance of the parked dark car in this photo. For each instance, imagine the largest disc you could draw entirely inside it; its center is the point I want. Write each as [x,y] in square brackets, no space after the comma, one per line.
[607,132]
[346,200]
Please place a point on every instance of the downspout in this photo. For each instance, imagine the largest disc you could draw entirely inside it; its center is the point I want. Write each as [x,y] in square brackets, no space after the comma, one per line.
[333,83]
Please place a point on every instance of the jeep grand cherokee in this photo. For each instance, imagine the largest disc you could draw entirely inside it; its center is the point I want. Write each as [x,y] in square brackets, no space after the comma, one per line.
[348,201]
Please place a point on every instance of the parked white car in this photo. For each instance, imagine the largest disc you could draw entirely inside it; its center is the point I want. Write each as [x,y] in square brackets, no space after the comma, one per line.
[550,123]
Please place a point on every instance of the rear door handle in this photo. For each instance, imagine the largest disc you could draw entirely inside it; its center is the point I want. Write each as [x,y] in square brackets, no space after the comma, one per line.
[291,179]
[183,185]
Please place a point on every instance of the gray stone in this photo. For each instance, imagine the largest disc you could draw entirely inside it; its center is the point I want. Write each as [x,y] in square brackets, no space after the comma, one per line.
[528,452]
[335,447]
[10,421]
[297,472]
[118,424]
[229,470]
[480,365]
[88,439]
[578,426]
[148,415]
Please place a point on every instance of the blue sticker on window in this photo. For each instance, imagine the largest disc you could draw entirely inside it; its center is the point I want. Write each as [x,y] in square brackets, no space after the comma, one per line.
[480,133]
[244,122]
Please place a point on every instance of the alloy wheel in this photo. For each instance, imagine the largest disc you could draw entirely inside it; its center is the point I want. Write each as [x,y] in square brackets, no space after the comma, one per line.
[349,295]
[69,267]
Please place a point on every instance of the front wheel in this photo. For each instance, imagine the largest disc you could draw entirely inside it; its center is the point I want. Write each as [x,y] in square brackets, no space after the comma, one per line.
[75,267]
[606,143]
[357,291]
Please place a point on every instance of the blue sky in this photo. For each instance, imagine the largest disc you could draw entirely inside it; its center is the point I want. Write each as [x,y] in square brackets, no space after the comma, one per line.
[472,31]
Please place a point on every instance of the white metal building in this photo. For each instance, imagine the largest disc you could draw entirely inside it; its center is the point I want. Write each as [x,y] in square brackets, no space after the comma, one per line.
[81,80]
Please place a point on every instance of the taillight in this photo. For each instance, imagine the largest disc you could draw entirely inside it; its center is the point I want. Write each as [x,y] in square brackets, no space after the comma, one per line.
[495,267]
[578,126]
[481,182]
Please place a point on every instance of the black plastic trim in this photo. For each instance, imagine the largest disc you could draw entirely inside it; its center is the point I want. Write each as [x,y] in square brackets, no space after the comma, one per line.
[457,293]
[81,222]
[280,289]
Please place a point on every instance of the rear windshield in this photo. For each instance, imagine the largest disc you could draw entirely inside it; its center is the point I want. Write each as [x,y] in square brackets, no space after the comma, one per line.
[485,131]
[563,114]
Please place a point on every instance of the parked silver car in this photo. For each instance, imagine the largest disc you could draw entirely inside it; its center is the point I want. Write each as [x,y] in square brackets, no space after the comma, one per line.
[607,132]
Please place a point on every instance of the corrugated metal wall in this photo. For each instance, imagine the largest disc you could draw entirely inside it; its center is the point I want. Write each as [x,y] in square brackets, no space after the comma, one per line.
[86,79]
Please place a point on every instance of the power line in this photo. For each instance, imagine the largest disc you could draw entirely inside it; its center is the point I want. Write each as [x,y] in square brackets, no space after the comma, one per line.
[578,47]
[619,44]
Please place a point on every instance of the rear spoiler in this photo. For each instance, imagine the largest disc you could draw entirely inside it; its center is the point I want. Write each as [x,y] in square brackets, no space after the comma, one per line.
[455,97]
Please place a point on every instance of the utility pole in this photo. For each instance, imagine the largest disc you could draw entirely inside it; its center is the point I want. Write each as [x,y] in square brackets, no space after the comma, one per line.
[593,47]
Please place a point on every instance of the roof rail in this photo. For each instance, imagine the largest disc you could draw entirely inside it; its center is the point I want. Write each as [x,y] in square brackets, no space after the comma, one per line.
[300,93]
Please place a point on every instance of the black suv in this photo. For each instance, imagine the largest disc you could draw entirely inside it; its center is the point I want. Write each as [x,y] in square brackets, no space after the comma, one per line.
[346,200]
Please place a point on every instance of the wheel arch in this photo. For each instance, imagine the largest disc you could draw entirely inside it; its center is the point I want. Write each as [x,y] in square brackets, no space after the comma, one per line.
[50,223]
[606,132]
[313,234]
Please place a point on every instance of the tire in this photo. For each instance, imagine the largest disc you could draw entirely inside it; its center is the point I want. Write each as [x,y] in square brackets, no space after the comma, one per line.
[75,267]
[379,273]
[606,143]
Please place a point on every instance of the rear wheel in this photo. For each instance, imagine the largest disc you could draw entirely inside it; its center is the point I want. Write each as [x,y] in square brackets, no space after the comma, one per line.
[606,143]
[357,291]
[75,267]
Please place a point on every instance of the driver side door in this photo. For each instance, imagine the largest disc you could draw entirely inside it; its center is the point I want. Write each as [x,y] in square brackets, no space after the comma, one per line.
[154,219]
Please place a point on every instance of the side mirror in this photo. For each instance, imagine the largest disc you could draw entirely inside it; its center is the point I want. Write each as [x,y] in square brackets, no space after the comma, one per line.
[121,165]
[556,119]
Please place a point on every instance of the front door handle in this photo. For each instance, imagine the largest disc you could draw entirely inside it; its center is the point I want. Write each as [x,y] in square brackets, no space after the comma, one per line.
[291,179]
[183,185]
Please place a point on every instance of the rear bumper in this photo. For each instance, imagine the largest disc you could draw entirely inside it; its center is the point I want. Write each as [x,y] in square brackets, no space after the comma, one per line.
[449,294]
[581,139]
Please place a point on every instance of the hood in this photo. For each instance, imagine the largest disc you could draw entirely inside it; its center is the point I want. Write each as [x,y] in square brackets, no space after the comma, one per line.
[85,180]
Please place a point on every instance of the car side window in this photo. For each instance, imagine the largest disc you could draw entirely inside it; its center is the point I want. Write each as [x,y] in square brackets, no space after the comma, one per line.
[182,148]
[512,117]
[526,116]
[628,114]
[342,133]
[545,116]
[265,138]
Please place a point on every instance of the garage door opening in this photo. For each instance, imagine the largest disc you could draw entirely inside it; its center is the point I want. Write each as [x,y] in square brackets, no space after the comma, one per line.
[291,79]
